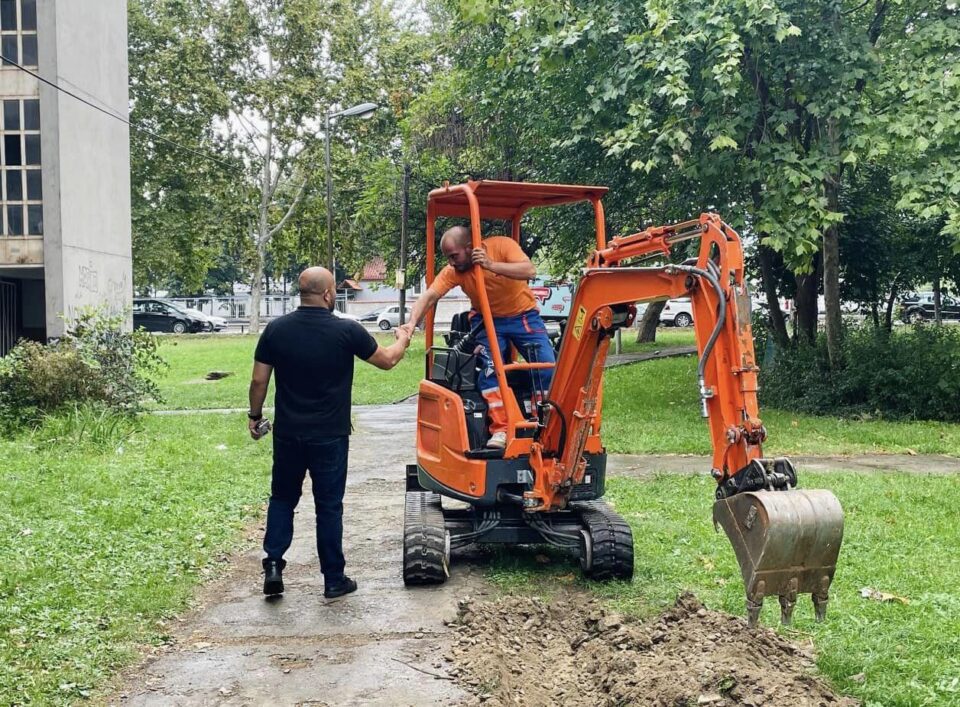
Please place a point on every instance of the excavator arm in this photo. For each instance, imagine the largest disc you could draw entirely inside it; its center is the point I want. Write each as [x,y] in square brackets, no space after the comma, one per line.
[605,301]
[786,541]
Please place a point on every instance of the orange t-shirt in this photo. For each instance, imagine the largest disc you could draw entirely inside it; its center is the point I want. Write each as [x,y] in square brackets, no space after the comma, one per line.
[508,297]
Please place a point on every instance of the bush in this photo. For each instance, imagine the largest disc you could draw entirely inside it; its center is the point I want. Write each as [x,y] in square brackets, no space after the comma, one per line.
[95,362]
[911,373]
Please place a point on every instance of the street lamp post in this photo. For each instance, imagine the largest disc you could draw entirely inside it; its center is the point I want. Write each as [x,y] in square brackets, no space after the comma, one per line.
[363,110]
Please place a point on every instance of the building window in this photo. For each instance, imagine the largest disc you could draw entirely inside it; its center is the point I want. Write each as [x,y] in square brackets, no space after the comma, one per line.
[18,32]
[20,161]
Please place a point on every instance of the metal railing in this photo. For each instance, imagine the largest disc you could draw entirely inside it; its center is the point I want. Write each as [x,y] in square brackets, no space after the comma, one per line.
[8,317]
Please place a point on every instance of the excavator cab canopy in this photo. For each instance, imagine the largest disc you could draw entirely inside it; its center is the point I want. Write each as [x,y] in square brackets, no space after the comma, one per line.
[506,200]
[491,200]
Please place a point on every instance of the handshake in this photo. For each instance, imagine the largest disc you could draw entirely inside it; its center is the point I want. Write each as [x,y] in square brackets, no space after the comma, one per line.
[404,332]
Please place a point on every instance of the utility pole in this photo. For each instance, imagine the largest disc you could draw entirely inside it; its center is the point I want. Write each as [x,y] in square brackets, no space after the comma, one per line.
[402,274]
[326,153]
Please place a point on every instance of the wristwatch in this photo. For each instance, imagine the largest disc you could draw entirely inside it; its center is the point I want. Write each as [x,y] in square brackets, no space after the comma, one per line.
[253,417]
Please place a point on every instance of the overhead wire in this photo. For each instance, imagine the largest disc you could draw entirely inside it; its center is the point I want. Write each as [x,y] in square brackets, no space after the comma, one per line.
[116,116]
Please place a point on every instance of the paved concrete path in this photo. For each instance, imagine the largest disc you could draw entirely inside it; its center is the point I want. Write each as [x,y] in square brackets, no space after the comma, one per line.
[239,648]
[614,360]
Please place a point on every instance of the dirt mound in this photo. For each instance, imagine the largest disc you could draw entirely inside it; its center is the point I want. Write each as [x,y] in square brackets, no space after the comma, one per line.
[526,651]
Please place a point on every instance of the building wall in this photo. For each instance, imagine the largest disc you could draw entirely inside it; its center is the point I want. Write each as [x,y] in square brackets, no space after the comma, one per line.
[86,158]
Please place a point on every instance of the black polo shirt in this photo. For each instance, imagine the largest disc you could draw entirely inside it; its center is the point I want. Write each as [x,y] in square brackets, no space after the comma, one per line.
[312,353]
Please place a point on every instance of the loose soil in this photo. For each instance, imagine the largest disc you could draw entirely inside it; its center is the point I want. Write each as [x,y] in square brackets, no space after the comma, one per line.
[525,651]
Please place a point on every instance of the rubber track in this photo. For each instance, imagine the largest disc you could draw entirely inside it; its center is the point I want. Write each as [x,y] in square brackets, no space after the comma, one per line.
[424,539]
[612,541]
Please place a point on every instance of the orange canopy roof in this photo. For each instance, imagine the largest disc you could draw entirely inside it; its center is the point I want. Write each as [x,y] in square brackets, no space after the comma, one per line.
[502,200]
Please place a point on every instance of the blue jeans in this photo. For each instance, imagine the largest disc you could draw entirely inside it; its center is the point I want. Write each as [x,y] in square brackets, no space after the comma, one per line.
[528,334]
[326,458]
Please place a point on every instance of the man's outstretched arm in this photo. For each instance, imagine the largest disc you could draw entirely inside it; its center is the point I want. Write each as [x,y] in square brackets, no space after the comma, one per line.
[420,309]
[386,357]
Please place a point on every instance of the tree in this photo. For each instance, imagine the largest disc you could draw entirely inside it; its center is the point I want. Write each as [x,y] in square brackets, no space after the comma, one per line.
[768,105]
[248,82]
[184,181]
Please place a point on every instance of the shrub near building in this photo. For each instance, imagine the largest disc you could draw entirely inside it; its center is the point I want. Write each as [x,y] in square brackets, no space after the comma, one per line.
[96,363]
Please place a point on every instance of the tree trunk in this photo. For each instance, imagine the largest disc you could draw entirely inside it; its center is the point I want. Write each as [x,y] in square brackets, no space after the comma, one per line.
[808,287]
[891,301]
[831,295]
[875,312]
[831,277]
[263,232]
[647,330]
[936,301]
[778,327]
[256,288]
[404,217]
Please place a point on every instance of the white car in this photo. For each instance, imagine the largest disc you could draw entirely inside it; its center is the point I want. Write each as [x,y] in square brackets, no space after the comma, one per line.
[211,322]
[390,317]
[677,312]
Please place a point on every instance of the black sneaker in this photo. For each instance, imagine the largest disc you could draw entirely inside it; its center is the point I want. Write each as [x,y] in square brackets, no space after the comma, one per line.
[273,576]
[344,586]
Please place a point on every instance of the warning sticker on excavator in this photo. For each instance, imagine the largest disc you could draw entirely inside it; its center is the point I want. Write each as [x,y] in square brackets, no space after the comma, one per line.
[578,323]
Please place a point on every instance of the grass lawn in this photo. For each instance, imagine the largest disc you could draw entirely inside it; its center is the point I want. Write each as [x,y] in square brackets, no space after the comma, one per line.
[192,357]
[901,535]
[102,544]
[105,542]
[667,337]
[649,408]
[653,408]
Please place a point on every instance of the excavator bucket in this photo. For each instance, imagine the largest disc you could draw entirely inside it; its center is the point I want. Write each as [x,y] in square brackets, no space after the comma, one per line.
[786,542]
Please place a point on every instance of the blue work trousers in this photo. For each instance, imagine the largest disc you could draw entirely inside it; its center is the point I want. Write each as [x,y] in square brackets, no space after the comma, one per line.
[528,334]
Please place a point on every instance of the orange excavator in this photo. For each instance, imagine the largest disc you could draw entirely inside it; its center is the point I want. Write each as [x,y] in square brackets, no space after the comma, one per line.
[545,486]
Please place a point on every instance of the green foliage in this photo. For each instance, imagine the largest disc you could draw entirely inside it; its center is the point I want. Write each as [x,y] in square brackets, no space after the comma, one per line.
[186,210]
[761,111]
[95,362]
[907,374]
[249,84]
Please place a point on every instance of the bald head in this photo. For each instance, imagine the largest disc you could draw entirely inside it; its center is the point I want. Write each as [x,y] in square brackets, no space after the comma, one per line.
[455,246]
[458,236]
[317,288]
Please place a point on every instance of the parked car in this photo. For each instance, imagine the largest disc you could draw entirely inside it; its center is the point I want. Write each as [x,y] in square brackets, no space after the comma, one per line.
[677,312]
[373,315]
[159,315]
[211,321]
[345,315]
[390,317]
[918,307]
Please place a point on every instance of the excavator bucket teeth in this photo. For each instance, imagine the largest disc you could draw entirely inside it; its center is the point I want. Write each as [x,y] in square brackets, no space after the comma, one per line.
[786,543]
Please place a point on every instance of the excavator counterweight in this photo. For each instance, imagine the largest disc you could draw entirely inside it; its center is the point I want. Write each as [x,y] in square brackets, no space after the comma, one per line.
[546,484]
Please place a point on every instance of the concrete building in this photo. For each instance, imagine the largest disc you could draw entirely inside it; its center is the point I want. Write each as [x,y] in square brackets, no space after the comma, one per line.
[65,240]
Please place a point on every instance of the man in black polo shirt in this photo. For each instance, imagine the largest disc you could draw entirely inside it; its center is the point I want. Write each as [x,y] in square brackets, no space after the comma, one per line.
[312,353]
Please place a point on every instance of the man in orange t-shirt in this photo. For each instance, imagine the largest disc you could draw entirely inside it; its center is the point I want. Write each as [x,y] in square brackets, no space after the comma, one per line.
[515,315]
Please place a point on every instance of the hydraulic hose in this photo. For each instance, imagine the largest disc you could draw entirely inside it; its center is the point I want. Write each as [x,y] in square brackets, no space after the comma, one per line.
[710,276]
[563,424]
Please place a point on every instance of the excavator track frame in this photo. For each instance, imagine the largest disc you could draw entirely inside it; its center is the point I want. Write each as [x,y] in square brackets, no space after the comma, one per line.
[591,531]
